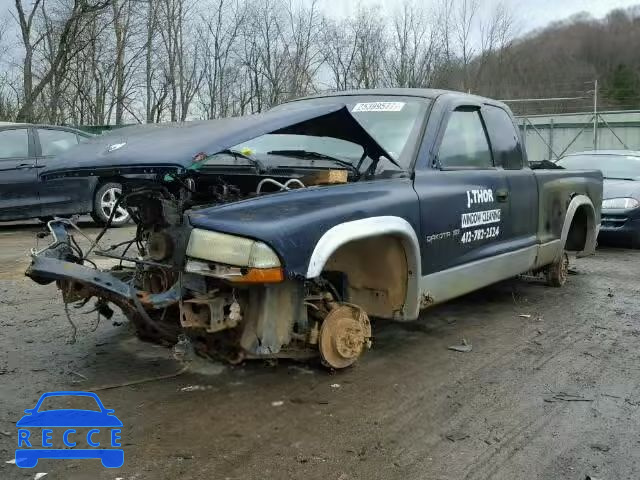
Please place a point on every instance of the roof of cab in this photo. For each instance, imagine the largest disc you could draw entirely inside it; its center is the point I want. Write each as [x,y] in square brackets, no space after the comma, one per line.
[430,93]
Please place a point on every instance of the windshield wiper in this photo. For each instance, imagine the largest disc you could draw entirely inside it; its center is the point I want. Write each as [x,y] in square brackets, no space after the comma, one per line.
[315,156]
[259,166]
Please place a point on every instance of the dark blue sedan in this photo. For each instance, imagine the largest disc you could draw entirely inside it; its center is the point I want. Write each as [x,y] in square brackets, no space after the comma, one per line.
[621,191]
[25,150]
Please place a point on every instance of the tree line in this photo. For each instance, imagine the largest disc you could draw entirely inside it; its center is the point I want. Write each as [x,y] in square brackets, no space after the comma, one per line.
[105,62]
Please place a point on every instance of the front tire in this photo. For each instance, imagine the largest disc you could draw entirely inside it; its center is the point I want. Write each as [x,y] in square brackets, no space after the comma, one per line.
[104,201]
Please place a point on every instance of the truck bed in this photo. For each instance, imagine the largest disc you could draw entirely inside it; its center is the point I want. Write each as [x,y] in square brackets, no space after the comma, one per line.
[556,188]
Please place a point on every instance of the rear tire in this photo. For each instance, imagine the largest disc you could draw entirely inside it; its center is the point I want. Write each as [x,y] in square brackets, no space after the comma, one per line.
[103,202]
[558,271]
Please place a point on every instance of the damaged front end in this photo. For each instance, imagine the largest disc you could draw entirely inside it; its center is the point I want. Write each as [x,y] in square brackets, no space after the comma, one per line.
[230,295]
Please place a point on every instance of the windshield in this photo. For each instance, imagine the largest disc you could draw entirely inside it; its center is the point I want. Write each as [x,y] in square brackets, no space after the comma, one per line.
[394,122]
[611,166]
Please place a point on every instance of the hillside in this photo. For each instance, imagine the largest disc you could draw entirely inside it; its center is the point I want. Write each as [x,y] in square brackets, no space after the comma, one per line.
[564,60]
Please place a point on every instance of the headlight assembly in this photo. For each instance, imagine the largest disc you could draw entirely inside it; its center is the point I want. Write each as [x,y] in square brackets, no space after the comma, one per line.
[230,250]
[624,203]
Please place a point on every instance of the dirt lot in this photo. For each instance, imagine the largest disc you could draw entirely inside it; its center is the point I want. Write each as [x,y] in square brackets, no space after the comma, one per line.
[550,389]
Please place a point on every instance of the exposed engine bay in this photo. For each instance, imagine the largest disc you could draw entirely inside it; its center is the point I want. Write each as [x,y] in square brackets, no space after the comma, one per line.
[203,261]
[235,303]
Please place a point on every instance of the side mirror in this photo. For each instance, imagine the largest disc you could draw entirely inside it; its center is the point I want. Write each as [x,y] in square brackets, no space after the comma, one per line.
[109,411]
[29,410]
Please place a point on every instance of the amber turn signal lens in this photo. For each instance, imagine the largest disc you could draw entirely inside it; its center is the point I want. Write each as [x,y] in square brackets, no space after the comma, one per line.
[259,275]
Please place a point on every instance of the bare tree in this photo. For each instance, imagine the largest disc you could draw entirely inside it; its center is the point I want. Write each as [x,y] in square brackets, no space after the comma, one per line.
[26,25]
[464,22]
[219,43]
[4,29]
[66,47]
[181,50]
[339,52]
[269,46]
[103,61]
[415,49]
[7,105]
[354,49]
[190,75]
[301,48]
[151,23]
[496,36]
[122,13]
[371,43]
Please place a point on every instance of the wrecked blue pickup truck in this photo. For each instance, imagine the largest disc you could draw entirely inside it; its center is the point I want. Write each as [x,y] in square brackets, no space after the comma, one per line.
[278,235]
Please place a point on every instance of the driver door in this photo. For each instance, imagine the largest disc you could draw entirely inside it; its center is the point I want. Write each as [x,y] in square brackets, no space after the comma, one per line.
[463,197]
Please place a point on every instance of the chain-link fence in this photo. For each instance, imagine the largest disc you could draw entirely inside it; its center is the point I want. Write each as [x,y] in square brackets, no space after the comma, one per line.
[586,117]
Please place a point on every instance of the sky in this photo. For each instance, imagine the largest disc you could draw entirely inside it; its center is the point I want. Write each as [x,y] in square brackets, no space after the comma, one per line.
[530,14]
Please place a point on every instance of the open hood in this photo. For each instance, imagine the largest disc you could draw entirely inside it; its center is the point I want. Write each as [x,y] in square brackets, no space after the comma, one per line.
[154,148]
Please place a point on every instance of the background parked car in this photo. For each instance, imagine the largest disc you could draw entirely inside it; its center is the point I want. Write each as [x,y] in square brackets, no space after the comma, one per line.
[621,190]
[24,151]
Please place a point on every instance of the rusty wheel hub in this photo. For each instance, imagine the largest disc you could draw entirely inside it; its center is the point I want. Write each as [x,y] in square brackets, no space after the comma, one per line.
[344,335]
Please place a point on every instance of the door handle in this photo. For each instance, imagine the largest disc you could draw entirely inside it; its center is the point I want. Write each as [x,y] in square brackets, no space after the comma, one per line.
[502,195]
[26,165]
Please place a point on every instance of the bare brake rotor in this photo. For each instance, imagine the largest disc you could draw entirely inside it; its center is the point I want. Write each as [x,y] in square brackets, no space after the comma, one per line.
[344,335]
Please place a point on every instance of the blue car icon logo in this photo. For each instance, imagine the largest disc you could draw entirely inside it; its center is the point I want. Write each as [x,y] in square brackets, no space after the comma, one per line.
[42,446]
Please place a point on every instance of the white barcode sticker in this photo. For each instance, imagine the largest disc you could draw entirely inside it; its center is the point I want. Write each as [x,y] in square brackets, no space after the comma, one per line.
[378,107]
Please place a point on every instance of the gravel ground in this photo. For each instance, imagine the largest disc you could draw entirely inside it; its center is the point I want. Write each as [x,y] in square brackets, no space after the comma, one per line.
[549,390]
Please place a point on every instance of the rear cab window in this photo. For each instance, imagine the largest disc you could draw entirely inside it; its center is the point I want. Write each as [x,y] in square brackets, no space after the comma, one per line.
[505,138]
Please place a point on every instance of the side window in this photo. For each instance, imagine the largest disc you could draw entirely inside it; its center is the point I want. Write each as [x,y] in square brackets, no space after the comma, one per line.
[14,143]
[505,138]
[464,143]
[54,142]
